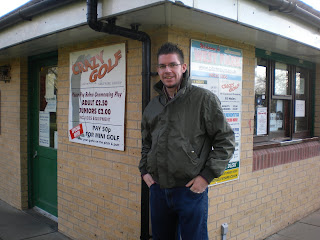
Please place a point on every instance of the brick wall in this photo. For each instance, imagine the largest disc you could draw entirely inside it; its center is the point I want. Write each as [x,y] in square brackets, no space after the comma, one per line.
[13,136]
[99,189]
[264,201]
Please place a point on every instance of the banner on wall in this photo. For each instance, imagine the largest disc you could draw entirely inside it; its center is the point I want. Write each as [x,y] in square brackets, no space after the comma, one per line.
[97,96]
[219,69]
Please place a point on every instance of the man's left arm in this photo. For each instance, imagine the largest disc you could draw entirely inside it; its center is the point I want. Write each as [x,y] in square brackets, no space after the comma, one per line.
[222,138]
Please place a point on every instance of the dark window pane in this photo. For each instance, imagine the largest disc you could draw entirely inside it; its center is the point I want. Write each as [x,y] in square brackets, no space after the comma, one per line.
[301,102]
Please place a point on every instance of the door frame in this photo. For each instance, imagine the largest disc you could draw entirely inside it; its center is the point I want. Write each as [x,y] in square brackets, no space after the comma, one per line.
[31,103]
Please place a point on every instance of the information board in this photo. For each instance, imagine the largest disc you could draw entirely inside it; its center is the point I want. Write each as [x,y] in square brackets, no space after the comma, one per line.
[97,96]
[219,69]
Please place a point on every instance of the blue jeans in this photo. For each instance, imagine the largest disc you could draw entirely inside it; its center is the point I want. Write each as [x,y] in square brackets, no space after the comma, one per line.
[178,211]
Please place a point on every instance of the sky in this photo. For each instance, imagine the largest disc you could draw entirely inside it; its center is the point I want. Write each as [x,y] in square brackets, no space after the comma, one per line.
[10,5]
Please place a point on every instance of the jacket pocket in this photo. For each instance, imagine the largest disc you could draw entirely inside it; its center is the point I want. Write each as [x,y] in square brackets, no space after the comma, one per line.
[191,153]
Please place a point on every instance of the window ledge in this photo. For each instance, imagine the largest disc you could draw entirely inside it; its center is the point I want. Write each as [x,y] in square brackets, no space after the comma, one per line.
[290,151]
[273,144]
[291,142]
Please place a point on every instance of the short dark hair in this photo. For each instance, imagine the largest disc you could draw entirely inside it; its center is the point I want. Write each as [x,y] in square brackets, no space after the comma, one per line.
[169,48]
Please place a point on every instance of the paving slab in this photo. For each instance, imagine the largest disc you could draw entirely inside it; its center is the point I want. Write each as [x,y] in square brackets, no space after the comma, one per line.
[18,225]
[312,219]
[50,236]
[278,237]
[301,231]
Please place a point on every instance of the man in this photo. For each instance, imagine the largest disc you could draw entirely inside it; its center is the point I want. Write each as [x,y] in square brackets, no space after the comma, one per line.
[186,143]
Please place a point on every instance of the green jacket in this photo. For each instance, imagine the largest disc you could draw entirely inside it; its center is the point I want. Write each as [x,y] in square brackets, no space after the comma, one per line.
[185,137]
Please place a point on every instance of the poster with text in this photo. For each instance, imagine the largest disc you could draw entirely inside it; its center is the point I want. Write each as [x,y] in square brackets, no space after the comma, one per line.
[219,69]
[97,96]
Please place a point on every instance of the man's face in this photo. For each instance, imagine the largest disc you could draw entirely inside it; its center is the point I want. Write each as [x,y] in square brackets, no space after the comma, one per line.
[170,70]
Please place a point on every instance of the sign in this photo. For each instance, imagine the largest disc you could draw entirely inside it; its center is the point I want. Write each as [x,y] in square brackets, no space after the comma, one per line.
[300,108]
[97,96]
[219,69]
[262,113]
[44,129]
[76,131]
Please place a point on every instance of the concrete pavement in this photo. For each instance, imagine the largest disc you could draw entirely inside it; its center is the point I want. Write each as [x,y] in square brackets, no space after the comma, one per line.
[19,225]
[307,228]
[22,225]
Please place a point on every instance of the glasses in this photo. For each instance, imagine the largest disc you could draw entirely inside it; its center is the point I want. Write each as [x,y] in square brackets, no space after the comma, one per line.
[170,65]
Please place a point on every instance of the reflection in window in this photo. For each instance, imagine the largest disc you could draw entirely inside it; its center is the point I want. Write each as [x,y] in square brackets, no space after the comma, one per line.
[260,88]
[281,83]
[276,115]
[301,103]
[48,107]
[299,83]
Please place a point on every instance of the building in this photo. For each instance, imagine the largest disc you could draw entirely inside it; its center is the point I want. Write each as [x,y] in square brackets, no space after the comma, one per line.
[73,89]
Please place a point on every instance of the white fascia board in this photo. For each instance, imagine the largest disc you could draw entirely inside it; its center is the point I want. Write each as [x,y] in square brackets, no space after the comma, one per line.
[258,16]
[53,21]
[223,8]
[113,7]
[66,17]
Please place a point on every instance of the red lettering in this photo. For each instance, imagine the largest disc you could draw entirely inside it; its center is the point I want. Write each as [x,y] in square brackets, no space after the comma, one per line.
[117,55]
[93,76]
[100,57]
[105,68]
[75,72]
[197,55]
[82,67]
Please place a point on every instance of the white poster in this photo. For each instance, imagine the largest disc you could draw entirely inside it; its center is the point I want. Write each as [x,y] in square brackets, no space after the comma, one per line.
[219,69]
[97,96]
[262,113]
[300,108]
[44,129]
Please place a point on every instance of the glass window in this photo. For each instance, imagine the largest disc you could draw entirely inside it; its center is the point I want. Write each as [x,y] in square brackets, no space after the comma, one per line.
[282,101]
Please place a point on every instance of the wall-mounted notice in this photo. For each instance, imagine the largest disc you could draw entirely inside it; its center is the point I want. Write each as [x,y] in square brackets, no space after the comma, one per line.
[219,69]
[44,129]
[262,113]
[97,96]
[300,108]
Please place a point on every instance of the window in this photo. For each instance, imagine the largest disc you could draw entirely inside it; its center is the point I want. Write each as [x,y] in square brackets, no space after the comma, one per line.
[282,98]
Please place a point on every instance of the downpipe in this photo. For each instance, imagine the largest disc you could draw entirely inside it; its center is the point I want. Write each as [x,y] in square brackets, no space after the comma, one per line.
[133,33]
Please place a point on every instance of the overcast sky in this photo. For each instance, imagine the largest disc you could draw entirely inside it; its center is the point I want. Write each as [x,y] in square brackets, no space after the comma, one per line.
[10,5]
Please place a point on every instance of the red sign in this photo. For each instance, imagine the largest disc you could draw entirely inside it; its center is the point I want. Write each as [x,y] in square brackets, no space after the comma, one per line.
[76,131]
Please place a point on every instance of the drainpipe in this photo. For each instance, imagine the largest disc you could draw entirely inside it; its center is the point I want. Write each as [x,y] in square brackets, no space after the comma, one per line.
[26,13]
[291,8]
[133,33]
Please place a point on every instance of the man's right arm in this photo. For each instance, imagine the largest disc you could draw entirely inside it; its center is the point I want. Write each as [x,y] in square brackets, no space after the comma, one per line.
[146,146]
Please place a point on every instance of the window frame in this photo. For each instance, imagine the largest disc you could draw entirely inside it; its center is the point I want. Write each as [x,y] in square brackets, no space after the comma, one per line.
[292,65]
